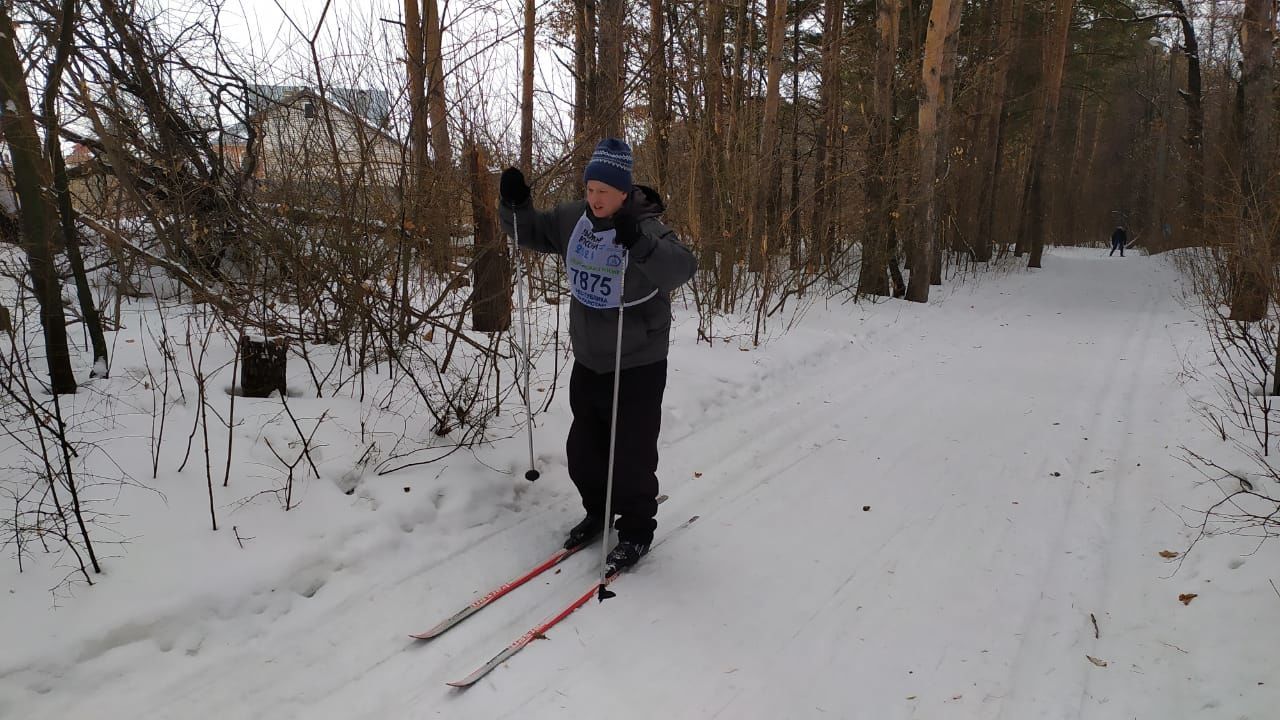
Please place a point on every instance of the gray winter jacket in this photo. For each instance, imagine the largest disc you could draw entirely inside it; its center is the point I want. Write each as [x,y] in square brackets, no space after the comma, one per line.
[657,261]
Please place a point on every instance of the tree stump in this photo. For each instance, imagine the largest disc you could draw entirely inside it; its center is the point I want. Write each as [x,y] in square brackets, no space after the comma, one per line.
[262,365]
[6,323]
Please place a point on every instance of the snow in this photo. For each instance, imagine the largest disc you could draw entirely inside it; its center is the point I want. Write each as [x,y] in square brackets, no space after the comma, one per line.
[907,511]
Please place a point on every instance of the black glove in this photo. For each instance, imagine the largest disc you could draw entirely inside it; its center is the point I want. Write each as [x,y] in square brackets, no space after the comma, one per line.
[513,188]
[626,226]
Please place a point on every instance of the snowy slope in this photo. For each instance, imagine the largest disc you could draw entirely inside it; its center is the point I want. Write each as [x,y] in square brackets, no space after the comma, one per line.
[906,512]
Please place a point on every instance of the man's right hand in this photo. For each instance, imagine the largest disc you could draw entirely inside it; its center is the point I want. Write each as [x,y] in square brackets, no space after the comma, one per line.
[513,188]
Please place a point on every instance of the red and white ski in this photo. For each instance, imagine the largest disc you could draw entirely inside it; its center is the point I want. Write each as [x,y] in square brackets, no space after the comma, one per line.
[556,558]
[540,630]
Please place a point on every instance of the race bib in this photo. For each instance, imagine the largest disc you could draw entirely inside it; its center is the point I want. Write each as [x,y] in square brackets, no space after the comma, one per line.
[595,265]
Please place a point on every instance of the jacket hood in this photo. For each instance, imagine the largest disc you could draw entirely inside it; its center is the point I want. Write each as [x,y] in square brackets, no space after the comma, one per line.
[647,202]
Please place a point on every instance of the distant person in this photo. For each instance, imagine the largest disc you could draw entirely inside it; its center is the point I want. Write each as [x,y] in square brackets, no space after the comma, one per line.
[1119,238]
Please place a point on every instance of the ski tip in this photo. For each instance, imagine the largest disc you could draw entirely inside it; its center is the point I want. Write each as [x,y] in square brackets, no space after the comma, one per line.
[423,635]
[459,684]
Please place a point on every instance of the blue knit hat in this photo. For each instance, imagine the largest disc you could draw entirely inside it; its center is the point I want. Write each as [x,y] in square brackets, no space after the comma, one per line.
[610,164]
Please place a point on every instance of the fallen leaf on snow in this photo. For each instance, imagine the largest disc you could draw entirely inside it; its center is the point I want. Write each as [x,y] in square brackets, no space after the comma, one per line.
[1186,598]
[1096,661]
[1168,554]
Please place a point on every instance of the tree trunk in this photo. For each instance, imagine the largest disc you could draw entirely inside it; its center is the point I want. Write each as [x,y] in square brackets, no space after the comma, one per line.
[1193,97]
[932,109]
[433,36]
[710,153]
[416,211]
[612,107]
[441,202]
[61,184]
[1035,202]
[949,59]
[991,135]
[823,230]
[1252,259]
[764,213]
[793,243]
[1081,152]
[591,27]
[491,286]
[526,90]
[873,278]
[582,52]
[419,131]
[38,217]
[658,91]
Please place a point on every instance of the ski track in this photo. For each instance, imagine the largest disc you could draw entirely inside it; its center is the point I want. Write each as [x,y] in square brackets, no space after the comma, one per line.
[948,596]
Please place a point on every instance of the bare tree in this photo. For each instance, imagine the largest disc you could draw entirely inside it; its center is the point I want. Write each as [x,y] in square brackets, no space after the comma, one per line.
[64,38]
[764,211]
[38,216]
[1193,98]
[944,21]
[1256,247]
[659,109]
[992,128]
[1035,206]
[823,230]
[877,240]
[612,65]
[433,35]
[526,89]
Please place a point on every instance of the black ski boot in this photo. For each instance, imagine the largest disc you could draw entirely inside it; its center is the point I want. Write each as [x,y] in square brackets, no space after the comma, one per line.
[584,531]
[624,555]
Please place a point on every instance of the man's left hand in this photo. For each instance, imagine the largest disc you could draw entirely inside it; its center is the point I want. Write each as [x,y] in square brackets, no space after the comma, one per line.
[626,226]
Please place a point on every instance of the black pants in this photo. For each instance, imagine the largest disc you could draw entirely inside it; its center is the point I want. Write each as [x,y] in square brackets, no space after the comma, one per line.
[635,479]
[1117,246]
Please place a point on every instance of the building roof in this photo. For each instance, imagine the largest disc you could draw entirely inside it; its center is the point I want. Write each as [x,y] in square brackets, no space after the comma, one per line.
[374,106]
[370,106]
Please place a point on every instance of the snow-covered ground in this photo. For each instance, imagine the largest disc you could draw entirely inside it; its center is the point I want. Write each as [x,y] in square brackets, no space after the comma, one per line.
[943,511]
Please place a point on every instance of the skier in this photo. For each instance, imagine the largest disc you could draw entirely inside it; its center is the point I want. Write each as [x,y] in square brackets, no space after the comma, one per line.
[1118,240]
[614,239]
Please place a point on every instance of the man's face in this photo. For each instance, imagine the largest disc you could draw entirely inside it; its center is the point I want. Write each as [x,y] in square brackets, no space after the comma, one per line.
[604,199]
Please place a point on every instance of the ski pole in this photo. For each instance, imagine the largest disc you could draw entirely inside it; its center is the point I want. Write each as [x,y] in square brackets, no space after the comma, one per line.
[613,439]
[532,473]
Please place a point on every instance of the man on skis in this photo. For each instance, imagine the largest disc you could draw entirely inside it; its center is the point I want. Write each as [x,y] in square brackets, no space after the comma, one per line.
[612,241]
